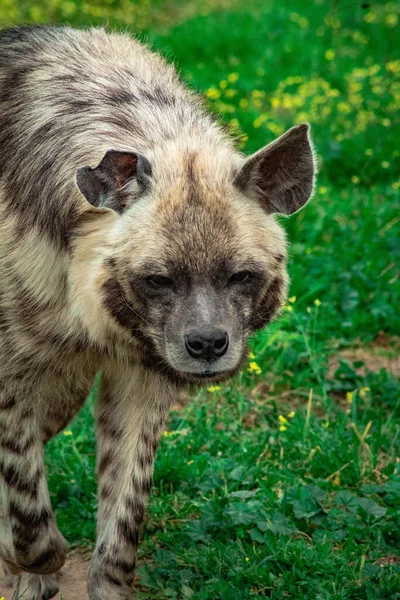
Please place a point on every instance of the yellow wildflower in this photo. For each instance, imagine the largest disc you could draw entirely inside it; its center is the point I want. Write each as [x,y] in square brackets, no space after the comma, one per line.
[292,299]
[291,414]
[282,428]
[385,164]
[166,433]
[253,367]
[329,55]
[355,179]
[344,107]
[230,93]
[303,22]
[246,559]
[308,309]
[282,420]
[275,102]
[336,480]
[370,17]
[276,129]
[259,121]
[243,103]
[66,432]
[232,77]
[223,84]
[393,66]
[252,355]
[317,302]
[349,397]
[363,391]
[213,388]
[391,20]
[258,94]
[368,152]
[213,93]
[323,190]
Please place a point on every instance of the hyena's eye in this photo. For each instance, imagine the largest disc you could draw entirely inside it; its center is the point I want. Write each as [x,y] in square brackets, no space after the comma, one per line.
[241,277]
[159,281]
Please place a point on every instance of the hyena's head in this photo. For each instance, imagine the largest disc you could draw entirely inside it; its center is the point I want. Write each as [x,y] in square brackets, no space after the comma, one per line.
[195,262]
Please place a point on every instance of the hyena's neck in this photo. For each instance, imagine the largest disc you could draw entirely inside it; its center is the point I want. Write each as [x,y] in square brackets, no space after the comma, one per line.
[90,271]
[86,276]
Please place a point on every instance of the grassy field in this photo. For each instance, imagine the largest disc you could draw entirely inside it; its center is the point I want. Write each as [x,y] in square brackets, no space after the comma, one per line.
[284,483]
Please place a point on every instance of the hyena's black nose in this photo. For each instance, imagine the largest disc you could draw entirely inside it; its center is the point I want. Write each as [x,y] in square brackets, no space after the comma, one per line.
[207,344]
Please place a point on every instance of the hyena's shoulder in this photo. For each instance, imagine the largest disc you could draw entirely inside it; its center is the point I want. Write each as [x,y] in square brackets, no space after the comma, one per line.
[68,96]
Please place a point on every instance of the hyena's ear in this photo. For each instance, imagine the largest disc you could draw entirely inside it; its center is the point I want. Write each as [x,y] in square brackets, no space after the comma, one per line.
[281,175]
[106,185]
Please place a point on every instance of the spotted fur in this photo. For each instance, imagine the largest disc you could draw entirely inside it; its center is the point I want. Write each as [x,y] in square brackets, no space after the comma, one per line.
[128,220]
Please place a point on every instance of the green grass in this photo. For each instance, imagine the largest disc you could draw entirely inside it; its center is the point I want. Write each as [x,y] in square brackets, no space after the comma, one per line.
[264,488]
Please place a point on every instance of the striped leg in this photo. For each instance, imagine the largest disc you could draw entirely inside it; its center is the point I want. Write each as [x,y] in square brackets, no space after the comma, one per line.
[131,412]
[30,541]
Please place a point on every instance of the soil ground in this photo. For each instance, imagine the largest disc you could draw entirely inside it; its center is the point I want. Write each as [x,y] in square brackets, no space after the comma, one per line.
[72,581]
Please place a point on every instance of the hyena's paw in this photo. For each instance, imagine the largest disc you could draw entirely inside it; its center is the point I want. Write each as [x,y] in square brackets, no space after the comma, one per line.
[35,587]
[102,585]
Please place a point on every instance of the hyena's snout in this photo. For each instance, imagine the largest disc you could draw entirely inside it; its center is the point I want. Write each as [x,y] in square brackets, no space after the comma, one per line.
[207,344]
[204,340]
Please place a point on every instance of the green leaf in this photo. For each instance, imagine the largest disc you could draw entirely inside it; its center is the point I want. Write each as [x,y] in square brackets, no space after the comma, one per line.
[197,530]
[372,508]
[281,525]
[257,536]
[371,569]
[164,557]
[243,494]
[347,499]
[241,513]
[304,509]
[187,592]
[238,473]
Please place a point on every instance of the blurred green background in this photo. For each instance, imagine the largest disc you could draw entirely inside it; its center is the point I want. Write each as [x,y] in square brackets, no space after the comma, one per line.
[284,483]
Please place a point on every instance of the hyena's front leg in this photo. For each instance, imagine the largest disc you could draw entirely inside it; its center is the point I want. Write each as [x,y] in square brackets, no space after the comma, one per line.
[30,541]
[131,413]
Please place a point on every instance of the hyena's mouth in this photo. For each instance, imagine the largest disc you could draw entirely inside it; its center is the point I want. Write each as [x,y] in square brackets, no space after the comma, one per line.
[208,376]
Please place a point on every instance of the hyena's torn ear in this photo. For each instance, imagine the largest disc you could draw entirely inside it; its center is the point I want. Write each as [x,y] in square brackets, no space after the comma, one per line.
[105,186]
[281,175]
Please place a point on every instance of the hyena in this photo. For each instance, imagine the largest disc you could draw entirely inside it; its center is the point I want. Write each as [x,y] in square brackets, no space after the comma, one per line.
[135,240]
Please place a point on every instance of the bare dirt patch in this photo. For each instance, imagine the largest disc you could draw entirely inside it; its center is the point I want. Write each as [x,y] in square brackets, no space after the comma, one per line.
[72,581]
[384,353]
